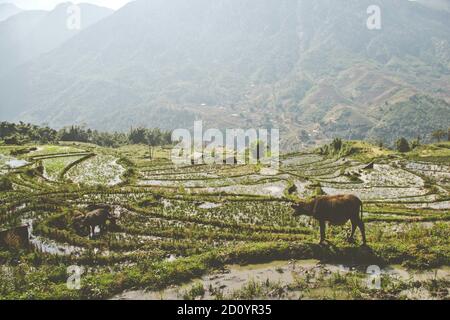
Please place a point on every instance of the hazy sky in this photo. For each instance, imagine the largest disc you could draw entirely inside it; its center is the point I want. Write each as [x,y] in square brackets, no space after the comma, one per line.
[50,4]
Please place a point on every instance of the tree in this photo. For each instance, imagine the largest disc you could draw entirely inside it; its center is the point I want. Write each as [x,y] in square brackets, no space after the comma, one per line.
[5,184]
[438,135]
[20,133]
[74,133]
[304,136]
[403,145]
[380,144]
[13,140]
[337,144]
[138,136]
[415,143]
[16,134]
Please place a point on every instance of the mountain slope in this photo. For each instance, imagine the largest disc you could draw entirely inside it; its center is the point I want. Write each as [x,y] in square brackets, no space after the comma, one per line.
[296,65]
[416,117]
[32,33]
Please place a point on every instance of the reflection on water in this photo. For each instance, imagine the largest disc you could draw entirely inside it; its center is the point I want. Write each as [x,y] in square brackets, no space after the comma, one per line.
[235,277]
[49,246]
[7,162]
[209,205]
[16,163]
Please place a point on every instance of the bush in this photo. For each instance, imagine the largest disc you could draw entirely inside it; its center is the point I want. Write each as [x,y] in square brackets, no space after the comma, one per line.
[5,184]
[337,144]
[13,140]
[415,144]
[18,152]
[197,291]
[402,145]
[337,148]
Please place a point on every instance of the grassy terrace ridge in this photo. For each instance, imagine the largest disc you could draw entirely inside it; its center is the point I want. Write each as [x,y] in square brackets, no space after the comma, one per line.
[208,217]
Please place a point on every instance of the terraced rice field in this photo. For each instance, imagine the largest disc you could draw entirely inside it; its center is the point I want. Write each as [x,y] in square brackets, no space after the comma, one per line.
[98,170]
[54,168]
[187,224]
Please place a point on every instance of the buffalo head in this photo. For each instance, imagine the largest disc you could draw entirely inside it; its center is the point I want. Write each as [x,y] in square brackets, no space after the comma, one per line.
[303,209]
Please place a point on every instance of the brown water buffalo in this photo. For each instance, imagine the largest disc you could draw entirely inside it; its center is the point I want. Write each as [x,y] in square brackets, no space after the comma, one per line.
[337,210]
[95,218]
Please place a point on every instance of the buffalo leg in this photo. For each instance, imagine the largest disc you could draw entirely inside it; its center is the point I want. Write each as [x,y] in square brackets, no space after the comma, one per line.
[354,226]
[363,231]
[322,231]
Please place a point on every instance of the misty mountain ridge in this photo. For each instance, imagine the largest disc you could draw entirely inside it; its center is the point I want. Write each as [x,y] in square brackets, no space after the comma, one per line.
[310,68]
[31,33]
[8,10]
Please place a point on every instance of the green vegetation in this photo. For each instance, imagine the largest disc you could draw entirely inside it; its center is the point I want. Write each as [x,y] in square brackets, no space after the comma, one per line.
[418,115]
[19,134]
[402,145]
[176,224]
[439,134]
[357,150]
[318,284]
[13,134]
[435,153]
[54,167]
[5,184]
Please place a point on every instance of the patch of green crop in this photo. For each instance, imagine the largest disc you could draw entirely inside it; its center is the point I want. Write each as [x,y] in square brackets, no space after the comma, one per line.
[207,217]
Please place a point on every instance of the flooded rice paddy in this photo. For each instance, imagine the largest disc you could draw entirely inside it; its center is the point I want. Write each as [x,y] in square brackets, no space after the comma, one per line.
[229,231]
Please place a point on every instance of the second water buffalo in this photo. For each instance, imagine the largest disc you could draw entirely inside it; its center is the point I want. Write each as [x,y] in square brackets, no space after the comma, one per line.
[95,218]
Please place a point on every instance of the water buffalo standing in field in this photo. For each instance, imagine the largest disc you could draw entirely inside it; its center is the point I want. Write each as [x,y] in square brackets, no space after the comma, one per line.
[337,210]
[95,218]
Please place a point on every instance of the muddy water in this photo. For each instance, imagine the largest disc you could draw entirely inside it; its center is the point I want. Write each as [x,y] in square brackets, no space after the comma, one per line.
[11,163]
[234,277]
[275,189]
[442,205]
[52,247]
[209,205]
[49,246]
[16,163]
[404,274]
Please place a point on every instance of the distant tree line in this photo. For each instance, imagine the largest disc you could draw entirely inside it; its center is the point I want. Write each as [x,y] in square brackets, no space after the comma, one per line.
[17,134]
[20,133]
[338,147]
[403,145]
